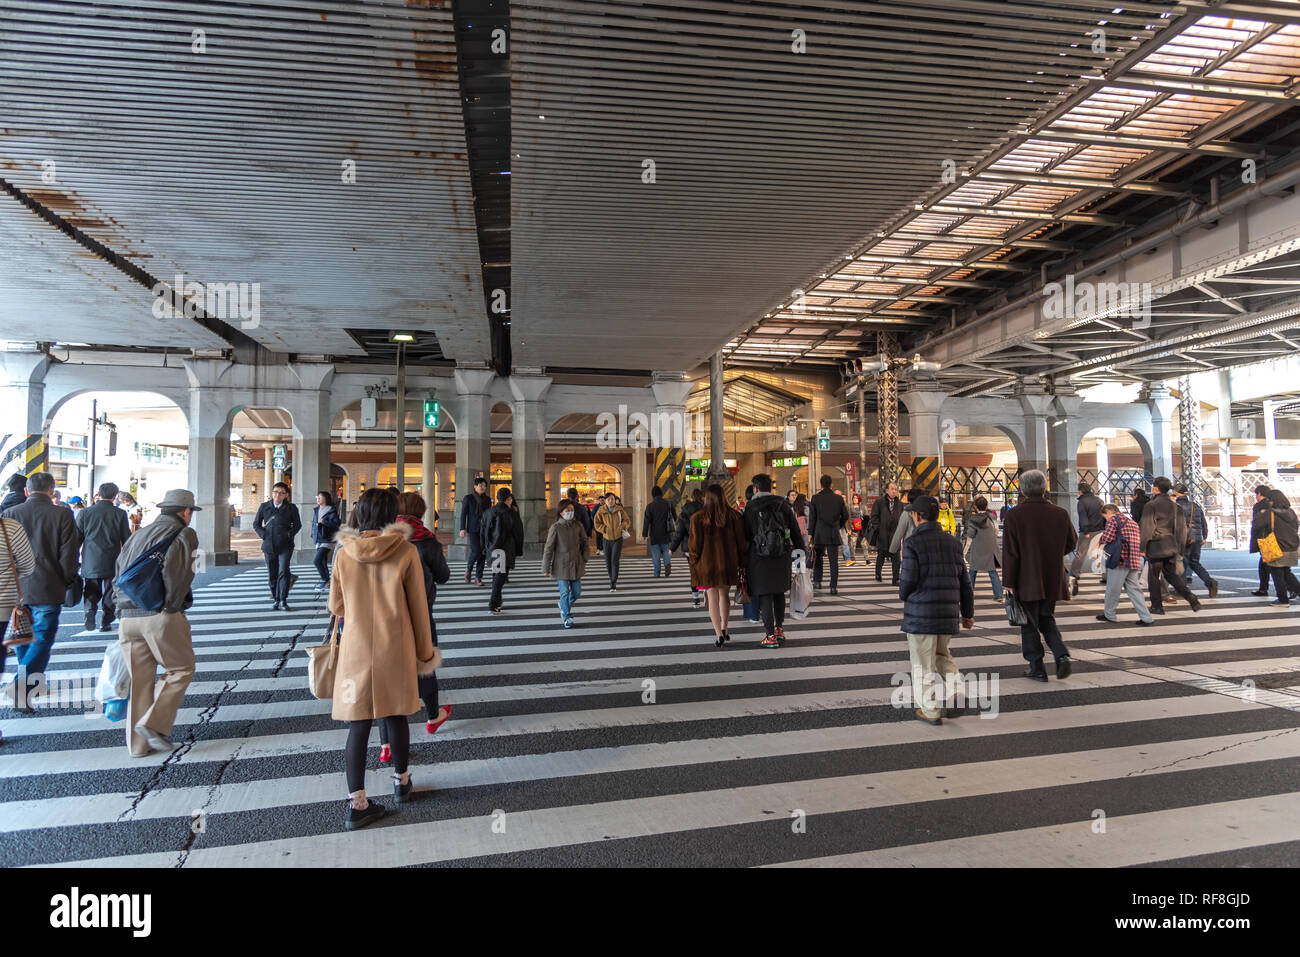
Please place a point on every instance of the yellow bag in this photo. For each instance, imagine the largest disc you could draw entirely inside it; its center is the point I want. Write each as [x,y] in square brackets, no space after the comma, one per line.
[1269,549]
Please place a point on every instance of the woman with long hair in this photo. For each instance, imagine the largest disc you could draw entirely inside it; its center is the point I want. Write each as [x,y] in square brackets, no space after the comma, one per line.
[801,511]
[378,586]
[410,512]
[717,547]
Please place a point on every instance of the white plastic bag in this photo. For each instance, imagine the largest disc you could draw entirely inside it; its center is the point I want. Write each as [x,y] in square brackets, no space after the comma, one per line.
[801,592]
[114,677]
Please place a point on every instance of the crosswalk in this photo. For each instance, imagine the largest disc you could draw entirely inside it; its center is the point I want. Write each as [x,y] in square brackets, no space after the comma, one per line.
[631,740]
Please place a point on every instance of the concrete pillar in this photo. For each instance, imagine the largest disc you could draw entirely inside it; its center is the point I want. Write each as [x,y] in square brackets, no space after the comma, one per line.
[22,396]
[1064,434]
[640,492]
[268,471]
[1161,402]
[209,472]
[311,461]
[528,453]
[1103,470]
[429,472]
[1270,440]
[717,432]
[672,433]
[1036,405]
[557,489]
[473,438]
[923,399]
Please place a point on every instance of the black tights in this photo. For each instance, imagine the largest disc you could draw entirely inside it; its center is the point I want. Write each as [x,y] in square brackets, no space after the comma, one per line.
[394,728]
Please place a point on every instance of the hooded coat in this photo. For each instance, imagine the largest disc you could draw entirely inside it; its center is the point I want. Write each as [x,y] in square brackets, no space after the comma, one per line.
[377,587]
[982,533]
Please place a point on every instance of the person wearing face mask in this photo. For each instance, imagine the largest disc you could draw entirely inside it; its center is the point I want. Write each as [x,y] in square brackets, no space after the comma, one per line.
[565,557]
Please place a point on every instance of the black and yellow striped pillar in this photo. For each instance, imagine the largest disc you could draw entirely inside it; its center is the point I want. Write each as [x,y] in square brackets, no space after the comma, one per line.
[670,473]
[925,473]
[28,455]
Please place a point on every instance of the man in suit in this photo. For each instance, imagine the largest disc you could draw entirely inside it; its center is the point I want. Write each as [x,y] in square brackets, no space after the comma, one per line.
[827,516]
[277,524]
[885,515]
[1035,540]
[1164,538]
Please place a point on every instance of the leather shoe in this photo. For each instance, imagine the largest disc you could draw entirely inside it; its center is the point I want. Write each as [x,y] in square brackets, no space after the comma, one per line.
[1063,667]
[920,716]
[1195,604]
[1104,618]
[1036,675]
[1157,611]
[1074,586]
[1260,594]
[1214,584]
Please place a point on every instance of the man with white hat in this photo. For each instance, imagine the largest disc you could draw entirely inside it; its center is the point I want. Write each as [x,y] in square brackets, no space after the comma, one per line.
[161,638]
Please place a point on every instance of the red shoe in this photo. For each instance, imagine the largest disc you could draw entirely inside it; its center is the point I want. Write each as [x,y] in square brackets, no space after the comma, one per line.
[385,754]
[432,726]
[780,632]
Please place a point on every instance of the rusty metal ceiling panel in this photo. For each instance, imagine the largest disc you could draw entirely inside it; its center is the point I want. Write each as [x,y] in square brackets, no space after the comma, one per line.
[218,140]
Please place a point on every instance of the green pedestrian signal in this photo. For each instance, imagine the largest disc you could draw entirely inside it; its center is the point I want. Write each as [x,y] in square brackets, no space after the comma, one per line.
[431,410]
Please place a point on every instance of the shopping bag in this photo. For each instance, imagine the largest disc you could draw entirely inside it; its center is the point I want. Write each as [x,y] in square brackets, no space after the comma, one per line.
[1015,611]
[114,677]
[1269,549]
[322,662]
[801,592]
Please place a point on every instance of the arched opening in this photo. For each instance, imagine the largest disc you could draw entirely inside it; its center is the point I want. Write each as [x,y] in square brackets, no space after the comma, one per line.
[979,460]
[261,454]
[592,480]
[367,451]
[139,441]
[1114,462]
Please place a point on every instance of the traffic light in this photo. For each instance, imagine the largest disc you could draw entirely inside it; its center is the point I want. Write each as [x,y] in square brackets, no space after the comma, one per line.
[431,410]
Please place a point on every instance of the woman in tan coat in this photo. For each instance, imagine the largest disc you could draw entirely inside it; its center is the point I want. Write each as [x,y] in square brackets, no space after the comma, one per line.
[377,589]
[717,552]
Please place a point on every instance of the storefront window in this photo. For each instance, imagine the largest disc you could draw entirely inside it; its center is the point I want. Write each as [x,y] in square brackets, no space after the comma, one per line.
[591,481]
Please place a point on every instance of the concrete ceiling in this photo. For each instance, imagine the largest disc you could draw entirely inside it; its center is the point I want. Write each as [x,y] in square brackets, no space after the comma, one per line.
[227,165]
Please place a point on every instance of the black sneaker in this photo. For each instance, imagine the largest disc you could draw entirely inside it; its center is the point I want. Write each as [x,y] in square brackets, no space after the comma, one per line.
[496,611]
[285,607]
[355,819]
[275,607]
[402,792]
[90,623]
[1036,675]
[836,591]
[1157,611]
[1214,582]
[1074,586]
[1260,594]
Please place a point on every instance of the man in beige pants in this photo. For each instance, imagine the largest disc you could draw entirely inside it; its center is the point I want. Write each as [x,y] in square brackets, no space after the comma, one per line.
[153,639]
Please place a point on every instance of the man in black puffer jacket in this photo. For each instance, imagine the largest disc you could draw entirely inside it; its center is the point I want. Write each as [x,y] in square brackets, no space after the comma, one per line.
[937,600]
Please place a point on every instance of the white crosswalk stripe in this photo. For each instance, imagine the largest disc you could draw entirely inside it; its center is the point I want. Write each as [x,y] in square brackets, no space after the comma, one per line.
[612,741]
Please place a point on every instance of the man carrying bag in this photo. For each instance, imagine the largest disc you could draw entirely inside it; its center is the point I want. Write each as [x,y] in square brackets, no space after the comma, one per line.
[154,575]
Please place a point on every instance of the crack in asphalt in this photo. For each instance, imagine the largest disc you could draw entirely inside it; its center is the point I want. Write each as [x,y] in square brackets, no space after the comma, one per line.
[1226,747]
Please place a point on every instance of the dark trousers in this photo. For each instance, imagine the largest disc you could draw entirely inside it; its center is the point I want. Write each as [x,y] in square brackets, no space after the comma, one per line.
[277,573]
[1166,569]
[323,563]
[1041,627]
[881,555]
[499,580]
[1264,576]
[1284,581]
[396,730]
[818,552]
[1193,566]
[477,556]
[99,592]
[613,552]
[772,610]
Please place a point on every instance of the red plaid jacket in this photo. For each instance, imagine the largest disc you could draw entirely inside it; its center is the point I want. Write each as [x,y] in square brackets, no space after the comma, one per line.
[1131,550]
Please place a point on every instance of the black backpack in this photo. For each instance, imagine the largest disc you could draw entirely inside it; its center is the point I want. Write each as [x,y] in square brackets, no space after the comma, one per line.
[771,538]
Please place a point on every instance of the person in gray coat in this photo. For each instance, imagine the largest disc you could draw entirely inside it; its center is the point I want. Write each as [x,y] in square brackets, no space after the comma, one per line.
[565,557]
[982,552]
[104,530]
[1091,525]
[906,522]
[52,532]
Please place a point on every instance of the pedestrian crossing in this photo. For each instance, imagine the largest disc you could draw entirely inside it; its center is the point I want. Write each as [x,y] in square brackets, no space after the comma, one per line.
[631,740]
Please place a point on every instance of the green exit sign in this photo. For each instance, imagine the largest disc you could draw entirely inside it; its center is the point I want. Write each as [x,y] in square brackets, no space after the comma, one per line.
[431,410]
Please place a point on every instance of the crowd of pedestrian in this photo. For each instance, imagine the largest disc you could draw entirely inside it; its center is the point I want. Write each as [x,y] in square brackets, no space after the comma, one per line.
[382,570]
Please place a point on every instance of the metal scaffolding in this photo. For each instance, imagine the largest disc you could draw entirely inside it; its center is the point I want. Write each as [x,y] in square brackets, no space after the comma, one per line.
[1189,433]
[887,409]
